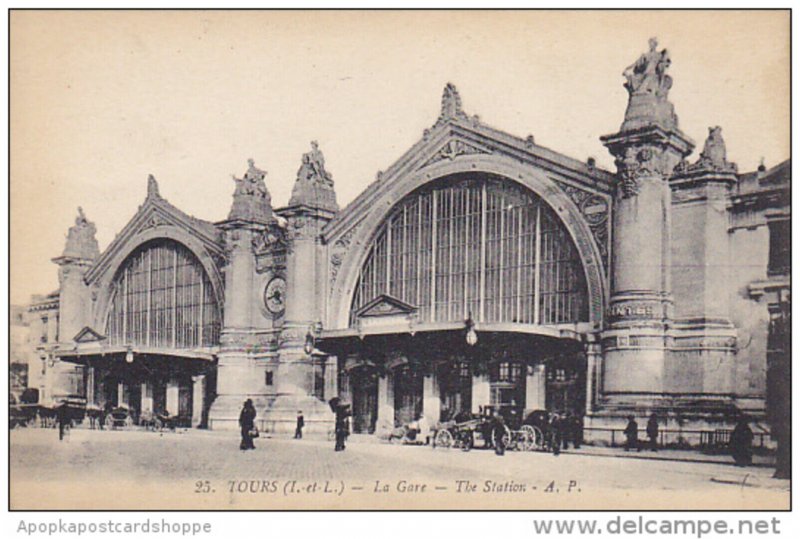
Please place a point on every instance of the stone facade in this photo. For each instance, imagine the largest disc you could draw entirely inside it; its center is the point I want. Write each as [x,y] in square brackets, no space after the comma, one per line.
[679,271]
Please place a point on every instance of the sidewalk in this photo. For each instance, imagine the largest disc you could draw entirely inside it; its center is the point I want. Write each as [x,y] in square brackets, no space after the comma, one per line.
[681,455]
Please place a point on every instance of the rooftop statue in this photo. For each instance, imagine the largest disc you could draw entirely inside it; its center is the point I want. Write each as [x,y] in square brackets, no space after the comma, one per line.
[314,184]
[714,157]
[313,167]
[649,73]
[451,105]
[251,200]
[81,241]
[648,87]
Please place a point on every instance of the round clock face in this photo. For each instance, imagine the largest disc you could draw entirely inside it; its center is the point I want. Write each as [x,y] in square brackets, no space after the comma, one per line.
[275,295]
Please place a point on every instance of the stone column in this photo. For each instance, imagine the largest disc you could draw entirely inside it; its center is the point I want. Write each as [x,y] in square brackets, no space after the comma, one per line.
[312,205]
[481,392]
[431,404]
[647,148]
[385,401]
[535,388]
[704,354]
[594,358]
[198,399]
[242,365]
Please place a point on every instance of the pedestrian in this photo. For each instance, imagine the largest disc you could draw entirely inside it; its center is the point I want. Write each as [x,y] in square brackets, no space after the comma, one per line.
[62,416]
[566,425]
[342,426]
[498,433]
[652,432]
[577,430]
[298,430]
[247,419]
[741,443]
[556,434]
[632,435]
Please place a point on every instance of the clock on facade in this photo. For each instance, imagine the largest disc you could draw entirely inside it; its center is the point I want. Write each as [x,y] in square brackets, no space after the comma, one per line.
[275,295]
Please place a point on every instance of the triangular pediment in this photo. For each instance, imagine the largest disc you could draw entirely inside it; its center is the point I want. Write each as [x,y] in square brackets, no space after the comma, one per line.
[154,213]
[88,335]
[385,305]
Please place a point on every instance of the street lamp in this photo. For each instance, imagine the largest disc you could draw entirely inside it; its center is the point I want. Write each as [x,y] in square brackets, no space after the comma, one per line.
[129,355]
[472,336]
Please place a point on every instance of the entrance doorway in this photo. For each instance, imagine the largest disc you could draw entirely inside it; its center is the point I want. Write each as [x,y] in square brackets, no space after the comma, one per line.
[408,384]
[455,389]
[364,384]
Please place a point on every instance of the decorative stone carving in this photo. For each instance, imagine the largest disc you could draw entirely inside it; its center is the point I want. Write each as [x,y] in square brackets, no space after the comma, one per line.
[648,87]
[81,242]
[451,105]
[314,184]
[152,187]
[595,210]
[154,220]
[269,241]
[714,157]
[637,163]
[251,200]
[338,253]
[453,149]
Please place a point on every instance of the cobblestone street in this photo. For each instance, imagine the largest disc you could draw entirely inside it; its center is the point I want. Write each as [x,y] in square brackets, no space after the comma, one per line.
[201,469]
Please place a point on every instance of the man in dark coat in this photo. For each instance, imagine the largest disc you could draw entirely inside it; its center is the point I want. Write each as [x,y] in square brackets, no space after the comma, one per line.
[742,443]
[342,426]
[63,419]
[652,432]
[247,419]
[498,432]
[556,434]
[631,434]
[298,430]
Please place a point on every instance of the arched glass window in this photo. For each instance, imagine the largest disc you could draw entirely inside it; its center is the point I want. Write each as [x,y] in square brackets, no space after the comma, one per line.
[476,244]
[163,298]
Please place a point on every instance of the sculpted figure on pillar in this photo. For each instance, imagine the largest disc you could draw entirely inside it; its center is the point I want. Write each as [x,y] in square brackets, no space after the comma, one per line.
[648,86]
[251,200]
[314,184]
[81,241]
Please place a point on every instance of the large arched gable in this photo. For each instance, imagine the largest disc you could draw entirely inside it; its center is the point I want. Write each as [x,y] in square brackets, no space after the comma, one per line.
[103,283]
[530,177]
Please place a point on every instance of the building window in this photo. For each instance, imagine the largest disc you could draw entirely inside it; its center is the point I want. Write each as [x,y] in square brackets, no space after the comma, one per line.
[268,378]
[780,248]
[45,329]
[163,299]
[476,244]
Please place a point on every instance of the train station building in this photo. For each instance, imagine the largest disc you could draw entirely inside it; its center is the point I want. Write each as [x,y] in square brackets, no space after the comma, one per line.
[479,269]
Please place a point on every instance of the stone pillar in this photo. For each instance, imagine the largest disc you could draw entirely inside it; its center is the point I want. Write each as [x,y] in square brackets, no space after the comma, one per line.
[535,388]
[481,392]
[594,358]
[385,401]
[198,399]
[244,345]
[75,301]
[704,354]
[173,397]
[147,397]
[312,205]
[647,148]
[431,404]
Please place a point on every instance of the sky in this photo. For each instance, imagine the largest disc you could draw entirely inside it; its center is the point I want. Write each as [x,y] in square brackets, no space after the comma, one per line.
[99,100]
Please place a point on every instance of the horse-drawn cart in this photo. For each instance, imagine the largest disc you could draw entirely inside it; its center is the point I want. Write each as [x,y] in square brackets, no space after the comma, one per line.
[462,434]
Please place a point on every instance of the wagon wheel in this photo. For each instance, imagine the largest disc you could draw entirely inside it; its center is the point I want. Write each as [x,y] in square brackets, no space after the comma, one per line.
[531,437]
[538,438]
[444,439]
[507,438]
